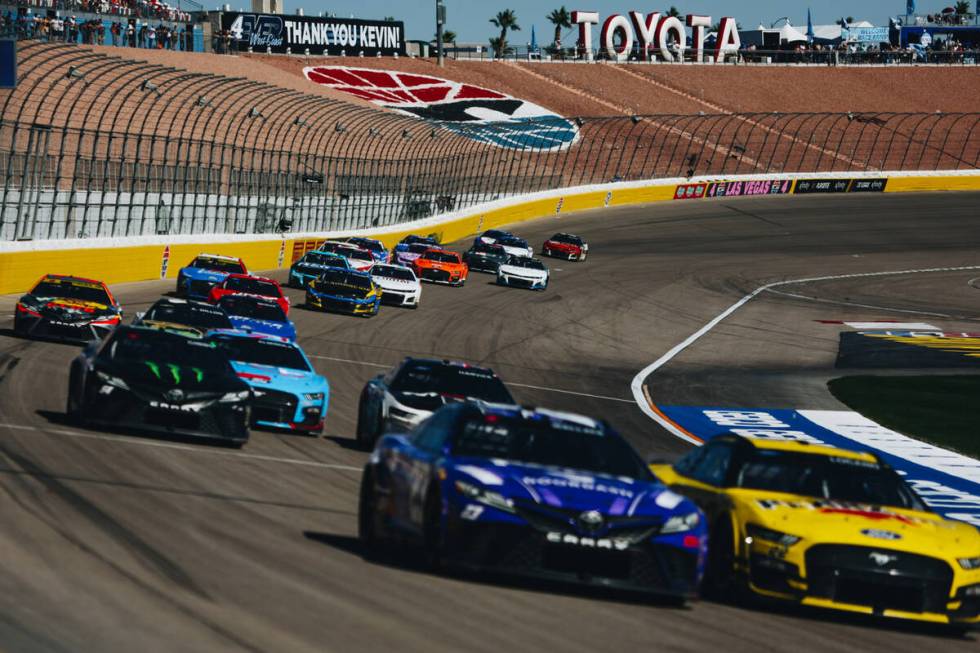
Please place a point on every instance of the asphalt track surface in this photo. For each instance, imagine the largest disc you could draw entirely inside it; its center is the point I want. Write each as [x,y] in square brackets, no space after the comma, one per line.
[116,543]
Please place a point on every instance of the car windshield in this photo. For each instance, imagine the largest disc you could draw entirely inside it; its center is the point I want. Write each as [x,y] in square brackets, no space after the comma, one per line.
[71,289]
[320,258]
[418,248]
[218,265]
[512,242]
[346,278]
[165,353]
[826,477]
[441,257]
[251,286]
[554,443]
[252,307]
[448,379]
[412,238]
[524,262]
[357,254]
[393,272]
[261,351]
[483,248]
[494,233]
[368,244]
[567,238]
[192,315]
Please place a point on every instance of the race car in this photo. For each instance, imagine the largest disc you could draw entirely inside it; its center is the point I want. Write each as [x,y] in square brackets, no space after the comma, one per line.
[515,246]
[254,314]
[376,247]
[247,284]
[197,277]
[491,236]
[67,308]
[401,398]
[531,492]
[566,246]
[288,393]
[485,258]
[312,264]
[523,272]
[828,528]
[441,266]
[399,285]
[344,291]
[152,380]
[357,257]
[184,317]
[405,246]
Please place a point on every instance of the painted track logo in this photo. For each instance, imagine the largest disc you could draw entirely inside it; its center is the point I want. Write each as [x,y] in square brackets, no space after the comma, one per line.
[478,113]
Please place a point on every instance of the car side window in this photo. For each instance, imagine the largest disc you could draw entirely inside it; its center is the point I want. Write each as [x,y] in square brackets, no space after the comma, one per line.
[712,467]
[685,466]
[432,435]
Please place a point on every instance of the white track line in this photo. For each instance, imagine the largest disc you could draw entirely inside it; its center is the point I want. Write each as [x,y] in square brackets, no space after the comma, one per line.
[646,403]
[821,300]
[352,362]
[179,447]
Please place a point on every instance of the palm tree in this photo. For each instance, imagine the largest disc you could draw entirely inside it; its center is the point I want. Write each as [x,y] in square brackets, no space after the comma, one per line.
[448,36]
[561,19]
[962,7]
[505,20]
[673,12]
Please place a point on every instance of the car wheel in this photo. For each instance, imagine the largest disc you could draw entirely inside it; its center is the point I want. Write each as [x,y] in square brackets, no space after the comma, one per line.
[180,285]
[74,408]
[721,581]
[433,536]
[19,326]
[367,509]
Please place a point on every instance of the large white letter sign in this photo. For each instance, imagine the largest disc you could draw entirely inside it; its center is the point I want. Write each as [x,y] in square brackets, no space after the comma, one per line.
[585,20]
[608,34]
[698,25]
[728,40]
[667,25]
[645,28]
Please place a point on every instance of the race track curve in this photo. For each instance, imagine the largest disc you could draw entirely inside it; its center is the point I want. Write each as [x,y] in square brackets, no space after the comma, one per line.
[118,543]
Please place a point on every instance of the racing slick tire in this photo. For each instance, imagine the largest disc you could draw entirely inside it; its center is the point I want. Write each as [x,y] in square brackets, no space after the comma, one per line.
[368,430]
[19,329]
[74,408]
[179,290]
[367,533]
[721,581]
[433,534]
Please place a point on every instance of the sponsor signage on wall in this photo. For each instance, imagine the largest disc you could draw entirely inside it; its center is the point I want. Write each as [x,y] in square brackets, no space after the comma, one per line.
[319,35]
[812,186]
[733,189]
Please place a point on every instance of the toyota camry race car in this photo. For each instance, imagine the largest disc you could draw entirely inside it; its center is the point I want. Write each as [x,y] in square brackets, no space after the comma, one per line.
[67,308]
[399,285]
[152,380]
[413,389]
[344,291]
[409,247]
[312,265]
[515,246]
[828,528]
[288,393]
[376,247]
[566,246]
[531,492]
[196,279]
[485,258]
[254,314]
[441,266]
[523,272]
[184,317]
[247,284]
[357,257]
[491,236]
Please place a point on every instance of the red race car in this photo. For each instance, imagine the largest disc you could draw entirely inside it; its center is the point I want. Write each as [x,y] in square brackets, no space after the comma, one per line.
[441,266]
[566,246]
[247,284]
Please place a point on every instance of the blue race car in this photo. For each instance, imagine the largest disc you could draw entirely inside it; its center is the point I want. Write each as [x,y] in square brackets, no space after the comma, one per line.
[289,394]
[531,492]
[376,247]
[344,291]
[491,236]
[404,246]
[196,279]
[312,265]
[257,314]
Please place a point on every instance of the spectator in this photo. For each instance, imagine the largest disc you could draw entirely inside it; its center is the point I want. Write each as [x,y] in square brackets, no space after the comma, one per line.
[151,37]
[114,31]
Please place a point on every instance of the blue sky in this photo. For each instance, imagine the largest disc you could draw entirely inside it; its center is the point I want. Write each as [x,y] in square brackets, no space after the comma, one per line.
[469,18]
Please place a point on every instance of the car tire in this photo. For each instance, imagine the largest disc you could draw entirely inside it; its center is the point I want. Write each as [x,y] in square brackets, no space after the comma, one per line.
[367,429]
[19,326]
[367,531]
[721,582]
[433,537]
[180,285]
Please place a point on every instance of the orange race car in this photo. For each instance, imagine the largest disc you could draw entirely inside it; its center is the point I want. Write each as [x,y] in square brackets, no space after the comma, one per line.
[441,266]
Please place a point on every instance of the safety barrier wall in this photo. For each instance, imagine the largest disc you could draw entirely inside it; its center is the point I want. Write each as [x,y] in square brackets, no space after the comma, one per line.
[159,257]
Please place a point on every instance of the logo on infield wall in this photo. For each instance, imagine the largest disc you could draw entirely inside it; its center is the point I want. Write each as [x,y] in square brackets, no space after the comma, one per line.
[472,111]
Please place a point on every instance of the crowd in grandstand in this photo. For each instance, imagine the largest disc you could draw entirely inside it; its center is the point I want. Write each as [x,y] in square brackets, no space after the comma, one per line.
[130,8]
[50,27]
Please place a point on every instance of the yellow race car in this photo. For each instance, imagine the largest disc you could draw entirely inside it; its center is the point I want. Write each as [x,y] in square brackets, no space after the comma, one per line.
[828,528]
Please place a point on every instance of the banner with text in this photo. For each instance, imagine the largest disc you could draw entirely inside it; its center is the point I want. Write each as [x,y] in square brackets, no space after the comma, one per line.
[332,36]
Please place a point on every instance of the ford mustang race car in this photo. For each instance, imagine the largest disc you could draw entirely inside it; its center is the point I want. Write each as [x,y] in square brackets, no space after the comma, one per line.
[491,236]
[828,528]
[566,246]
[399,285]
[196,279]
[523,272]
[152,380]
[247,284]
[485,258]
[376,247]
[407,394]
[288,393]
[185,317]
[67,308]
[531,492]
[344,291]
[515,246]
[441,266]
[254,314]
[357,257]
[312,265]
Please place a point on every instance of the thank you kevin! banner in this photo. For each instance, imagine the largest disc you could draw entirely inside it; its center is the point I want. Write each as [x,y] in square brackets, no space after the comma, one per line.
[320,35]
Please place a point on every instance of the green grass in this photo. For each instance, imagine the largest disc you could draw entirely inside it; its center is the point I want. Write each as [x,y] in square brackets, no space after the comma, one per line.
[943,410]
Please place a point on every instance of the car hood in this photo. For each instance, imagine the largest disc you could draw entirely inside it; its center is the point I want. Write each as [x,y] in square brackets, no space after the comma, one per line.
[314,268]
[523,272]
[428,401]
[155,378]
[860,524]
[68,308]
[553,244]
[561,490]
[388,283]
[281,329]
[279,378]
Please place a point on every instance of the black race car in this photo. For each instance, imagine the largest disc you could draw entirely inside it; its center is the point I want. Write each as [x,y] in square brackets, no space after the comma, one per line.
[153,380]
[485,258]
[67,308]
[185,317]
[412,390]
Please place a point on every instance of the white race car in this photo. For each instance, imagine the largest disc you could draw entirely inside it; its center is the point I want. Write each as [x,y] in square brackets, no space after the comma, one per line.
[523,272]
[515,246]
[399,285]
